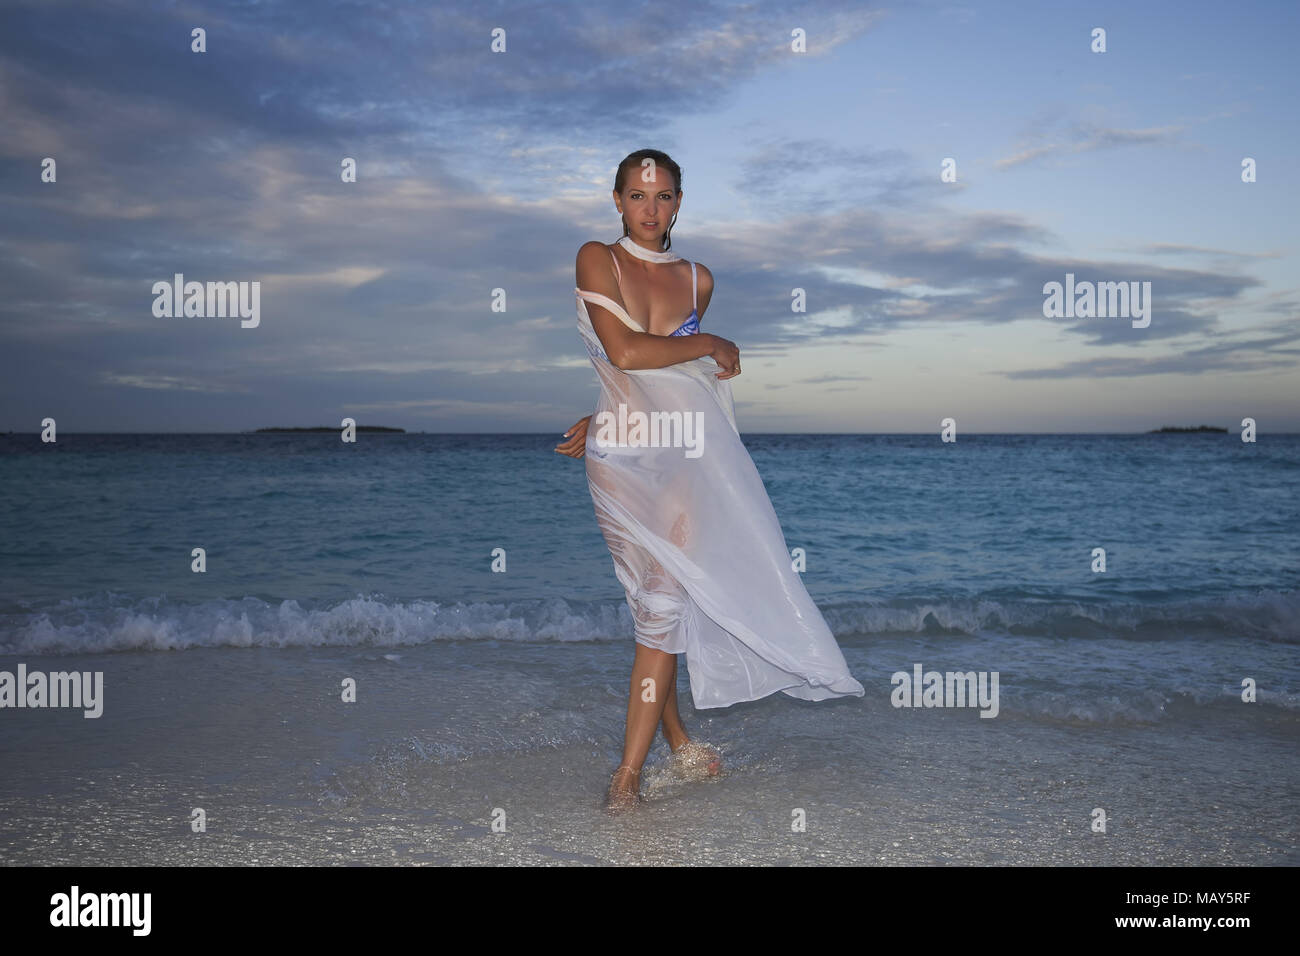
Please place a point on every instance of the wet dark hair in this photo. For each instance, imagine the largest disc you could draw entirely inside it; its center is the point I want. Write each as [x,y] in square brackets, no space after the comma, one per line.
[632,162]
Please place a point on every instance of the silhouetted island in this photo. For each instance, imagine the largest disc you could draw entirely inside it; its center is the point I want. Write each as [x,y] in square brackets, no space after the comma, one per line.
[328,428]
[1197,428]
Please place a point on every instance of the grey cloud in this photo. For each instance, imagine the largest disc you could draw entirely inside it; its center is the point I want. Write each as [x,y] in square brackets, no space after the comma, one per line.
[1249,355]
[1083,138]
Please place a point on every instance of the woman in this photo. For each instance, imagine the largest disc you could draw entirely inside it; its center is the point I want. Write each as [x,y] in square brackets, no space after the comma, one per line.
[695,542]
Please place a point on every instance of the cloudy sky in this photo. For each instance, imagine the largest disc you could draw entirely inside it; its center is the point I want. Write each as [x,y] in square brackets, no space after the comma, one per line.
[480,170]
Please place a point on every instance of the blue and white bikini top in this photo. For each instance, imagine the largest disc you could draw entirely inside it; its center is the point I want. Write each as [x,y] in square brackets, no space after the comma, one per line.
[692,324]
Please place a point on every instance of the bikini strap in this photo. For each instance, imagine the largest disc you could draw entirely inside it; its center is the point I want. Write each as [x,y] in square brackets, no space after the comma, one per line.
[617,272]
[693,300]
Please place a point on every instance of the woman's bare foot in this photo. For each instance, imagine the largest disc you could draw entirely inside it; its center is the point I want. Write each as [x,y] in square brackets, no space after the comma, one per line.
[694,759]
[624,789]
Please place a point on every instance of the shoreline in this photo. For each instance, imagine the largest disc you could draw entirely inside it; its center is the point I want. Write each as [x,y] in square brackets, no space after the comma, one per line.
[444,735]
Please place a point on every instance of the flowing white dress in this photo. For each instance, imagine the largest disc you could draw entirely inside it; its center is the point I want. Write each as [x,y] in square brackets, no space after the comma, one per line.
[695,541]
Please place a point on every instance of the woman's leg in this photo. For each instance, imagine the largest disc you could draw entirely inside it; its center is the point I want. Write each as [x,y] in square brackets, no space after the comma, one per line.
[692,759]
[657,605]
[652,672]
[674,730]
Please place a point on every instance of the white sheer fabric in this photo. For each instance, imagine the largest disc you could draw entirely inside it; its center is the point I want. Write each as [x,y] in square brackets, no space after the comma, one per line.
[696,544]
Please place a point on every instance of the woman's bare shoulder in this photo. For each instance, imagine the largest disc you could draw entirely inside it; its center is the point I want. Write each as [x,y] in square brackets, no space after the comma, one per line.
[706,279]
[595,269]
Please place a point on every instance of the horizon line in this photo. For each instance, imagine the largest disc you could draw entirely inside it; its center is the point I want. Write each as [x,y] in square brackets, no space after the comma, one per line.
[1156,431]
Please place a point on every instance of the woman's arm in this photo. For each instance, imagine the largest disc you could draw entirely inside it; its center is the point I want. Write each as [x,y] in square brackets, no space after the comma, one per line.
[629,349]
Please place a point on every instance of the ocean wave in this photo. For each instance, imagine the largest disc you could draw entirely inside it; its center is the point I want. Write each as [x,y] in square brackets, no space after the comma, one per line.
[1265,615]
[111,622]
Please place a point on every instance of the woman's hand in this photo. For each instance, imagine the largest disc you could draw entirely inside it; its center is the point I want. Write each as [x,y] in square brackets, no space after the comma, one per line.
[575,444]
[727,355]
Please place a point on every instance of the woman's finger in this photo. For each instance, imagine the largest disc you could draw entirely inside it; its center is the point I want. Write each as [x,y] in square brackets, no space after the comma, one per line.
[577,433]
[576,441]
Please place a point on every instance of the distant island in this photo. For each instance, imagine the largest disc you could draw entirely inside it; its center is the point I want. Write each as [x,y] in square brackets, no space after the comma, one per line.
[329,428]
[1198,428]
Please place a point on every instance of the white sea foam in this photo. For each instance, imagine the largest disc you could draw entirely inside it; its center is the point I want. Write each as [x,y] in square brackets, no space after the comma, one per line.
[114,623]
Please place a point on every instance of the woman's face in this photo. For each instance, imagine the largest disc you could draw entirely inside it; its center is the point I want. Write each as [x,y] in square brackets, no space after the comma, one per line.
[648,207]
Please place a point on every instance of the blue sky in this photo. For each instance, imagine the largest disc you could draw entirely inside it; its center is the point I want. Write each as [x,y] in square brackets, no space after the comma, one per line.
[480,171]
